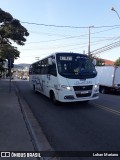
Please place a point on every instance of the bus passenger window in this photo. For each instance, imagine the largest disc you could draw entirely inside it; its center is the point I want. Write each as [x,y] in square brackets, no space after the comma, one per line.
[52,70]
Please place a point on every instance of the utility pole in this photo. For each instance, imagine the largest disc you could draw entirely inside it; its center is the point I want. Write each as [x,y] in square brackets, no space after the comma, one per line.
[10,66]
[89,40]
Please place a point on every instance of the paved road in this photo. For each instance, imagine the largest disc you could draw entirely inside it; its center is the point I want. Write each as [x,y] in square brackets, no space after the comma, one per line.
[77,126]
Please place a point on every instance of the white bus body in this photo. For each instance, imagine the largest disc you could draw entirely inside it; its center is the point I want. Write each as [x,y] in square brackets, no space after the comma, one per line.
[58,77]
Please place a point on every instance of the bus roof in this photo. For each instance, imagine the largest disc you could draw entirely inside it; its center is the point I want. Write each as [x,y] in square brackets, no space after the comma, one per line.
[53,54]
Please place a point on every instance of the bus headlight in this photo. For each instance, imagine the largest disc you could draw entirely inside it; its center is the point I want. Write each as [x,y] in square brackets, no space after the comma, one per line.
[66,87]
[60,87]
[96,88]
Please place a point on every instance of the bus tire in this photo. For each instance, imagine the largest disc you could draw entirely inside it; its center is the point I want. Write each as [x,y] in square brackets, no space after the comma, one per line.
[34,90]
[52,97]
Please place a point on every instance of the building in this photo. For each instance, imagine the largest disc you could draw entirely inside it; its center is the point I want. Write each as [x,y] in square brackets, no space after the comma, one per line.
[105,62]
[108,62]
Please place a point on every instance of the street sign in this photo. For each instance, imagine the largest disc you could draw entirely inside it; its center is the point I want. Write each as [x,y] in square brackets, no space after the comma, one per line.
[10,62]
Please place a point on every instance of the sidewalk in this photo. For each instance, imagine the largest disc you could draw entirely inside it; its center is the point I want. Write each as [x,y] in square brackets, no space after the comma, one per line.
[19,129]
[14,135]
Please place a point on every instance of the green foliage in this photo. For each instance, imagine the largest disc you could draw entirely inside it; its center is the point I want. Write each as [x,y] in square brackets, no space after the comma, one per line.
[5,16]
[2,61]
[117,62]
[2,69]
[11,29]
[8,51]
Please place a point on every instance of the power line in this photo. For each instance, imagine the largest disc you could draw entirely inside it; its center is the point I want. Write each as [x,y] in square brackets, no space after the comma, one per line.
[63,26]
[106,48]
[67,45]
[67,36]
[97,51]
[71,37]
[52,25]
[96,42]
[105,30]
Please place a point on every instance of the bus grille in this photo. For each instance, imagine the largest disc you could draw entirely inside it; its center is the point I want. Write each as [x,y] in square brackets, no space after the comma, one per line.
[83,91]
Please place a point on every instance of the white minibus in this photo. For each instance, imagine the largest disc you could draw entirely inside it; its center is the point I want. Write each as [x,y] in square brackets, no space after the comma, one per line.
[65,77]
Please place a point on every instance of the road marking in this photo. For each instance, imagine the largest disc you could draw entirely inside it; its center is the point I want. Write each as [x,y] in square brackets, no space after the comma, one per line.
[107,109]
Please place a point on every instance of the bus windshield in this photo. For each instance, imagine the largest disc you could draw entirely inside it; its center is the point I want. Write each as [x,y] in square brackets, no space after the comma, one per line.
[73,65]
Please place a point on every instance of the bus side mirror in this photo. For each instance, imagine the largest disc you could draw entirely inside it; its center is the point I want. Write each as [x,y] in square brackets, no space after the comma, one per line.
[94,62]
[50,61]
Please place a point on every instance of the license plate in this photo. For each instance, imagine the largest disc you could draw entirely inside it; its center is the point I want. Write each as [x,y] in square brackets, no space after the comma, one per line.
[84,92]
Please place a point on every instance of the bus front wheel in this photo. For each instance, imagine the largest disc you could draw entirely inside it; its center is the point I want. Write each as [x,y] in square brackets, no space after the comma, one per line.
[52,97]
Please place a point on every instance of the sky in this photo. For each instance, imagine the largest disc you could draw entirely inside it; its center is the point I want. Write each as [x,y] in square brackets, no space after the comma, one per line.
[64,25]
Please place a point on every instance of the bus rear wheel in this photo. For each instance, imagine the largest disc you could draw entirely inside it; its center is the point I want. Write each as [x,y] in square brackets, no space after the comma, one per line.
[34,89]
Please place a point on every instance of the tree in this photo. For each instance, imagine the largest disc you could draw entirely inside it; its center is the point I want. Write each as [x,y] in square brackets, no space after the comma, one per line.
[11,29]
[8,51]
[117,62]
[1,66]
[2,69]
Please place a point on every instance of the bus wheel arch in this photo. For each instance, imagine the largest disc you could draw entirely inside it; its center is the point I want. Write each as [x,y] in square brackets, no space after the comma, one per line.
[52,97]
[34,88]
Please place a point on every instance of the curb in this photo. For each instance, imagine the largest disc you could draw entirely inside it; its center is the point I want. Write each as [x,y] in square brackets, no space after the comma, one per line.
[38,138]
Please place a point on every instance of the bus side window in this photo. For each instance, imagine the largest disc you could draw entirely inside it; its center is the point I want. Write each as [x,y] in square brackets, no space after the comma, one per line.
[52,70]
